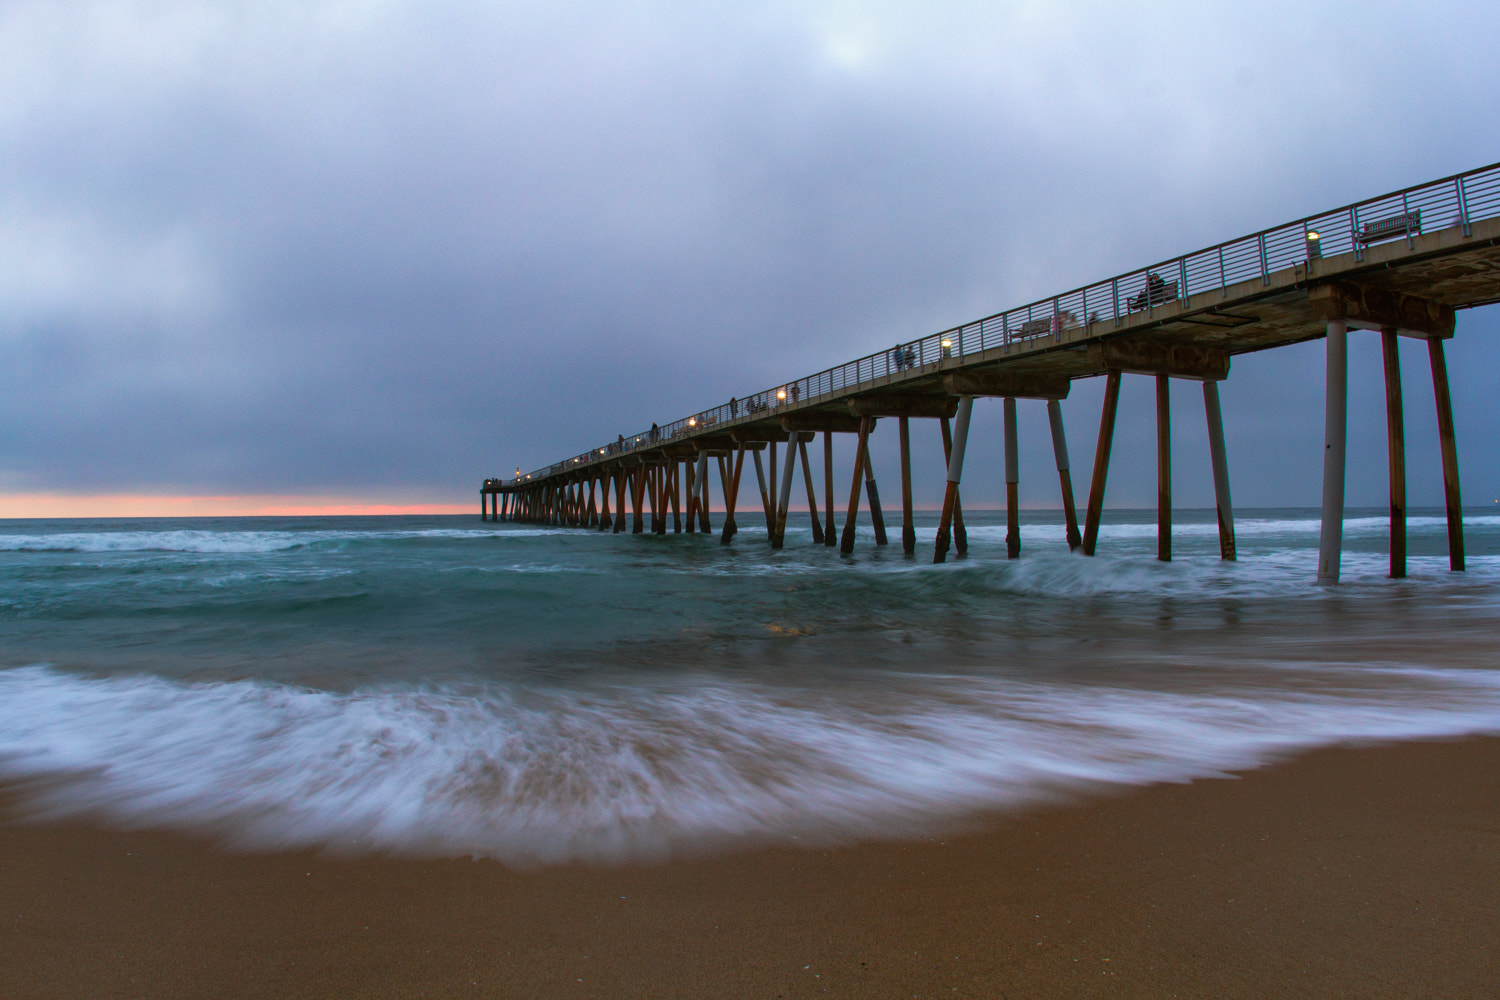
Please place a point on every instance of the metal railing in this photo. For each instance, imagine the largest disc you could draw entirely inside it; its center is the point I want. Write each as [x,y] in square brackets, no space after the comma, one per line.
[1453,201]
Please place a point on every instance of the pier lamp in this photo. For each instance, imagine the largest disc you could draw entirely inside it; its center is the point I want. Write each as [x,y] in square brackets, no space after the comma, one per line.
[947,348]
[1314,244]
[692,421]
[781,394]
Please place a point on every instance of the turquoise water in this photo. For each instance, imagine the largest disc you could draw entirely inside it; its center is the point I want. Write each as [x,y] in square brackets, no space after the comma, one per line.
[440,685]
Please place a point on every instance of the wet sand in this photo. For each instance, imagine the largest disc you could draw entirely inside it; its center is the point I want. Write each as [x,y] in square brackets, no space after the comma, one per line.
[1357,872]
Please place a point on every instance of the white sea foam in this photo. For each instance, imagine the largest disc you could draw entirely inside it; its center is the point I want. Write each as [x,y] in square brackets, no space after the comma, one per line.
[537,776]
[210,541]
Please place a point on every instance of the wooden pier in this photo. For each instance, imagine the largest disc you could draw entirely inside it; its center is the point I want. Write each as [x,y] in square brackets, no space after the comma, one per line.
[1402,264]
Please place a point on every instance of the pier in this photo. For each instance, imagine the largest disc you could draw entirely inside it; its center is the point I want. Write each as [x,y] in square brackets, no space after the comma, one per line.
[1402,264]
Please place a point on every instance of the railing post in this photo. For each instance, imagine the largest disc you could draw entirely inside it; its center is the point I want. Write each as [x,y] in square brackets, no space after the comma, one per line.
[1115,287]
[1265,267]
[1463,206]
[1359,248]
[1182,273]
[1223,275]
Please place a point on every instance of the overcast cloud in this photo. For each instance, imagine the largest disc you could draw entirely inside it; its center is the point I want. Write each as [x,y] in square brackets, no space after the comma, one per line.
[386,249]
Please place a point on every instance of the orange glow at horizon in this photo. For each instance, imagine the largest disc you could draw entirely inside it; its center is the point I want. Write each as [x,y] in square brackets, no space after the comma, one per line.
[23,505]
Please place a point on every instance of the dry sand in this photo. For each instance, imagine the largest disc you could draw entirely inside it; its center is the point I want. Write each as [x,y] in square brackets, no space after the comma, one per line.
[1370,872]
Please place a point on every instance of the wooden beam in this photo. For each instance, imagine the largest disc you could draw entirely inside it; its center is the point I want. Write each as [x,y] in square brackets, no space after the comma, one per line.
[1450,454]
[1009,385]
[1155,357]
[759,432]
[1101,462]
[1395,426]
[812,420]
[890,404]
[1371,307]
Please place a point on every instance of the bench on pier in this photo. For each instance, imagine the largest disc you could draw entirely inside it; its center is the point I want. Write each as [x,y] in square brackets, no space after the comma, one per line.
[1051,324]
[1155,293]
[1408,223]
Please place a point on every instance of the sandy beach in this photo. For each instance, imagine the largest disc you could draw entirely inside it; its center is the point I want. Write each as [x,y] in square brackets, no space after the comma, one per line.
[1347,872]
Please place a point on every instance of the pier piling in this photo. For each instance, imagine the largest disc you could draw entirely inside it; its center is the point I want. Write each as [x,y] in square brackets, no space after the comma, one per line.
[1395,425]
[1064,476]
[1101,462]
[1163,467]
[1449,445]
[830,537]
[908,529]
[1220,463]
[960,441]
[1012,482]
[812,493]
[1335,438]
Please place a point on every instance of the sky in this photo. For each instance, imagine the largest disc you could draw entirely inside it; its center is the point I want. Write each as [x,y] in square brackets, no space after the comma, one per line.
[358,255]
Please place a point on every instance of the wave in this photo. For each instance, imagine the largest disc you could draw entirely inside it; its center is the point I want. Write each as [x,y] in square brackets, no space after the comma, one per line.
[537,775]
[210,541]
[232,542]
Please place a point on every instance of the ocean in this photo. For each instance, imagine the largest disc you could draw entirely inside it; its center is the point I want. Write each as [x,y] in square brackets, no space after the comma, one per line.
[442,686]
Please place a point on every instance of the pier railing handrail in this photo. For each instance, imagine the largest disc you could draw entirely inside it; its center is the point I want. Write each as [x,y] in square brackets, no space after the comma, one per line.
[1457,200]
